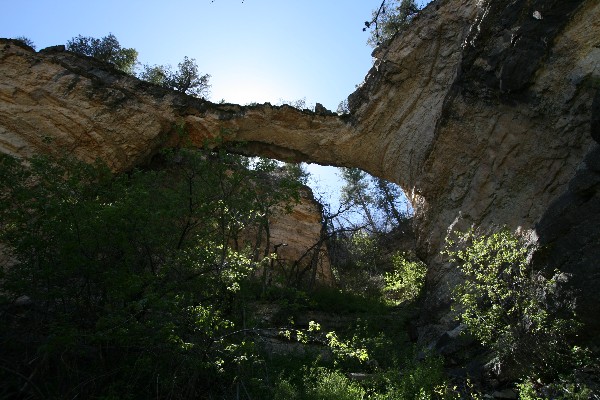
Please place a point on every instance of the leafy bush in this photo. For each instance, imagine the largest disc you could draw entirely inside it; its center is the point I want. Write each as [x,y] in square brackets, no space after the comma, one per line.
[406,280]
[565,388]
[325,384]
[343,302]
[107,49]
[185,79]
[285,390]
[524,317]
[422,378]
[527,391]
[568,389]
[25,40]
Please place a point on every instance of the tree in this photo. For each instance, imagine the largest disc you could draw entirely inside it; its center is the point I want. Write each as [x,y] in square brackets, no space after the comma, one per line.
[107,49]
[156,74]
[343,107]
[386,200]
[391,17]
[297,171]
[185,79]
[376,199]
[356,192]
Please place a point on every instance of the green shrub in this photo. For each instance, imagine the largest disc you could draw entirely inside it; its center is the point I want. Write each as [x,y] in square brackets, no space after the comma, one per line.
[569,390]
[564,388]
[325,384]
[285,390]
[406,280]
[417,378]
[527,391]
[524,317]
[422,380]
[339,301]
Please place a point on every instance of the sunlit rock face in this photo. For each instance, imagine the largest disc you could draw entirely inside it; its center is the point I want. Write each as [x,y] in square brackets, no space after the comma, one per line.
[55,101]
[485,112]
[297,239]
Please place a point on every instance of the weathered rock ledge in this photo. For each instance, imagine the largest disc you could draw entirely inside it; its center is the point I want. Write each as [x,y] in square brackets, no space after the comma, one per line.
[486,114]
[56,100]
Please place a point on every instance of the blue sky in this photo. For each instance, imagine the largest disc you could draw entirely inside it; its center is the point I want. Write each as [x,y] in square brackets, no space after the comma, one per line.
[255,50]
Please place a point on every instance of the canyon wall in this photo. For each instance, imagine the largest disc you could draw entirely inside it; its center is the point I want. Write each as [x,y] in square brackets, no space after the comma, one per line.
[296,236]
[485,112]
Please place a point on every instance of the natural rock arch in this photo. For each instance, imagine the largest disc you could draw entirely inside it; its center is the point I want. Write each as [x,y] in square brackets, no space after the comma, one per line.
[481,111]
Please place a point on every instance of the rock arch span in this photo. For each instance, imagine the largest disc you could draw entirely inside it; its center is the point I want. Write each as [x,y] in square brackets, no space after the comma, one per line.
[487,115]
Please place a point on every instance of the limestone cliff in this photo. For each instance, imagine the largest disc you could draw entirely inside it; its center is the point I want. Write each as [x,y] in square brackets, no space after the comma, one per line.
[485,111]
[297,239]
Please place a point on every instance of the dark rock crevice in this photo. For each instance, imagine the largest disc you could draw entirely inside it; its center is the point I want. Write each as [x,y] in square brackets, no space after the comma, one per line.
[569,239]
[510,44]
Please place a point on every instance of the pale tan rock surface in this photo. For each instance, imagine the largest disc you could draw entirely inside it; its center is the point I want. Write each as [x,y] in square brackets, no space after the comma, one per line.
[301,251]
[295,244]
[480,111]
[55,100]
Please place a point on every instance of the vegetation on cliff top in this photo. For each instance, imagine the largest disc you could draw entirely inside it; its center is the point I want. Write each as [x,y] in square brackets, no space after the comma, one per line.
[186,78]
[391,17]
